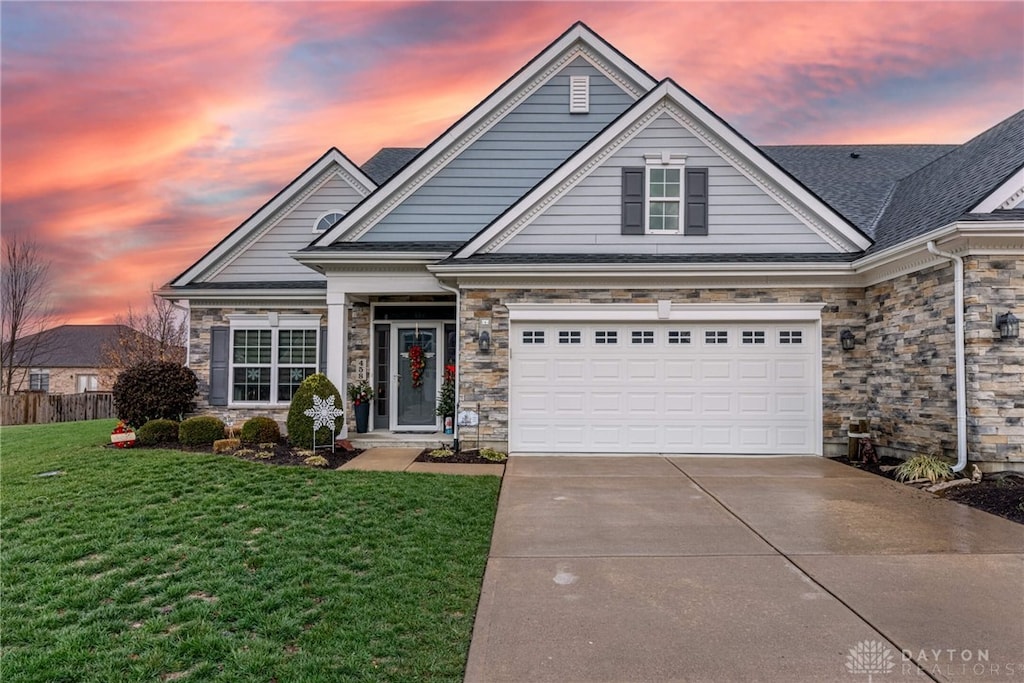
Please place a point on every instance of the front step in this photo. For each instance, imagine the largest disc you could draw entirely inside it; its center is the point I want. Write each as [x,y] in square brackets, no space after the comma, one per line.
[392,440]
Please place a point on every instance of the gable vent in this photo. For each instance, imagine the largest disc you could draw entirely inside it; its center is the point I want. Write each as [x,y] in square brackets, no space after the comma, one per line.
[579,94]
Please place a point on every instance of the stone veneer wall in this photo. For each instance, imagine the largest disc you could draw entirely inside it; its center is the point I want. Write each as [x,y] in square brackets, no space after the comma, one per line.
[995,368]
[200,322]
[484,377]
[911,341]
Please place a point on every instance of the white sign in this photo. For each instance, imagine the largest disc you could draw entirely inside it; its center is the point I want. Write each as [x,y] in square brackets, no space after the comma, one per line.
[469,418]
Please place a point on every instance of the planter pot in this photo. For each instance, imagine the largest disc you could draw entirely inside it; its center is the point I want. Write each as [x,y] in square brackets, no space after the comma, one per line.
[362,417]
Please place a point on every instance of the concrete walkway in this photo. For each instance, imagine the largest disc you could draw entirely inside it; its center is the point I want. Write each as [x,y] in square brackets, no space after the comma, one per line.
[404,460]
[715,569]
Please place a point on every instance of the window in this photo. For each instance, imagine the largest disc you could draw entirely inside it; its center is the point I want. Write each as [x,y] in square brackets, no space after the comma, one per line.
[791,337]
[643,336]
[39,380]
[753,336]
[716,336]
[84,383]
[271,355]
[533,336]
[606,337]
[663,196]
[678,336]
[327,220]
[569,337]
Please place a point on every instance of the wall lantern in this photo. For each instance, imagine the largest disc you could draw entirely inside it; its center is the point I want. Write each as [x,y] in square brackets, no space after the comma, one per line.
[1008,325]
[484,341]
[847,340]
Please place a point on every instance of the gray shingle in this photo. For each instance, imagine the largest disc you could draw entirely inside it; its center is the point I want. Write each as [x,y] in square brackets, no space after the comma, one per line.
[286,284]
[386,246]
[71,346]
[652,259]
[950,186]
[387,162]
[855,186]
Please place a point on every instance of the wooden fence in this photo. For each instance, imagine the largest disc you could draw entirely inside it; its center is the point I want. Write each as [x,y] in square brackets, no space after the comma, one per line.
[33,407]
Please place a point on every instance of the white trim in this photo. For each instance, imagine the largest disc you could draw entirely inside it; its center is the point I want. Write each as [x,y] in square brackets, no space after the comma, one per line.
[701,122]
[579,94]
[664,162]
[740,312]
[579,41]
[314,176]
[1006,196]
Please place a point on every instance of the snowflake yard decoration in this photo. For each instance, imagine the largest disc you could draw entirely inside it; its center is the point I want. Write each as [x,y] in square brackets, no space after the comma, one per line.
[323,413]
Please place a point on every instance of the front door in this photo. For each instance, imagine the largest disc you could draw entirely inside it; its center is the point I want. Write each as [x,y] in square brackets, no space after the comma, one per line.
[415,381]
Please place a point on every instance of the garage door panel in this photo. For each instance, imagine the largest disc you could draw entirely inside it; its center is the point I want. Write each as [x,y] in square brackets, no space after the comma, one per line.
[683,392]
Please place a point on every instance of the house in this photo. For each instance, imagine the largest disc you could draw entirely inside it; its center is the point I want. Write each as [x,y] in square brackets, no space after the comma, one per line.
[69,359]
[615,269]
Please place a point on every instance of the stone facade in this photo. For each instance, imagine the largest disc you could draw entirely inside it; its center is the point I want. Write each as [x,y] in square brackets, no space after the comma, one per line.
[484,377]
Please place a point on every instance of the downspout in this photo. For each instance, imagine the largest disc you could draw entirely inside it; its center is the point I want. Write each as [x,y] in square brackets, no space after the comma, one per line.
[961,374]
[458,364]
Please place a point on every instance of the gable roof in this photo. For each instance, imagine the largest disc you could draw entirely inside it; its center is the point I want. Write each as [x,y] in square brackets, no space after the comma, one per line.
[71,346]
[476,121]
[953,184]
[331,161]
[669,96]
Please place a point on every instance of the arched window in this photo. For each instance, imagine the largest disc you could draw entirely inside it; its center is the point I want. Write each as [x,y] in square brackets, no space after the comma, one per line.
[327,220]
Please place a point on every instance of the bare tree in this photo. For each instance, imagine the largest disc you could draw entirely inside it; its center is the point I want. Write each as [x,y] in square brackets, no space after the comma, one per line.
[158,333]
[25,309]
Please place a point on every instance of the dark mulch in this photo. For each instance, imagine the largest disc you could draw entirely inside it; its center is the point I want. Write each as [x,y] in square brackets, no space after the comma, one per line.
[463,457]
[999,493]
[282,454]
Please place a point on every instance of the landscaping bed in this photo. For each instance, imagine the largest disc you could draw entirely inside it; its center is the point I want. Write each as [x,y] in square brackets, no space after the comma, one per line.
[463,457]
[280,453]
[1000,494]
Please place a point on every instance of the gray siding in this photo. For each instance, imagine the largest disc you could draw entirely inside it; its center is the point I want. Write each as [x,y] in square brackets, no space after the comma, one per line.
[505,162]
[741,217]
[267,258]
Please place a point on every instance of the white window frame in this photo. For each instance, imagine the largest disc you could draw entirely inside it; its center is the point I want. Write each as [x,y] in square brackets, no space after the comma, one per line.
[91,382]
[324,215]
[275,323]
[41,373]
[664,161]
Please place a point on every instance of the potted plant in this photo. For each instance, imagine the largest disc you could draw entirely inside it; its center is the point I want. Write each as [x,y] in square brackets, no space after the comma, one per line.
[361,393]
[446,399]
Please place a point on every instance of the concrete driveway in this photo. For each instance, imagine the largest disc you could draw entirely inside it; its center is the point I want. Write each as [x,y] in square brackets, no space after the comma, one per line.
[716,569]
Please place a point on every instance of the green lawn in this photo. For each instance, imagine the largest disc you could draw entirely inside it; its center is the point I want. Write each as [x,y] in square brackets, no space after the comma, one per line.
[162,565]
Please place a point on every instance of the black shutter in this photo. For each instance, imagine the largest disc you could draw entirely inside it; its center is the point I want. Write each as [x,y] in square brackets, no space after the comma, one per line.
[220,346]
[322,366]
[633,201]
[696,202]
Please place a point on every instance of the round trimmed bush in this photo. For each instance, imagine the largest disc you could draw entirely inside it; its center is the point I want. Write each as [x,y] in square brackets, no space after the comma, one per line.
[201,430]
[261,430]
[157,431]
[154,390]
[300,426]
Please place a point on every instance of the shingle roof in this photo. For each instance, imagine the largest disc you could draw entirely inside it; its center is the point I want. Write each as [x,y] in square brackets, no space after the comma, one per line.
[997,215]
[387,162]
[386,246]
[276,284]
[70,346]
[953,184]
[855,180]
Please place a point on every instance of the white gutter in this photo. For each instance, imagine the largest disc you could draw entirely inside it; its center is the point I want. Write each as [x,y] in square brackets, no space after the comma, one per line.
[961,375]
[458,365]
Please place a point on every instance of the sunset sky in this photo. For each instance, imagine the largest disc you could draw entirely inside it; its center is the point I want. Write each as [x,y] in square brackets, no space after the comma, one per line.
[135,135]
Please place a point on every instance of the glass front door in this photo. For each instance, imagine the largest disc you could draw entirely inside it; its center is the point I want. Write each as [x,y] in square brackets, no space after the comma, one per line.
[415,381]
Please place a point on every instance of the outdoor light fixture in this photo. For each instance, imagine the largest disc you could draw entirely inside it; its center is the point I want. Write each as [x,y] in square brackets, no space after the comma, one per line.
[847,340]
[1009,325]
[484,340]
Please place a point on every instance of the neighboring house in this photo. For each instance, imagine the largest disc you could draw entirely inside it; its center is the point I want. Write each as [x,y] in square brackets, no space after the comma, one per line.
[615,269]
[70,359]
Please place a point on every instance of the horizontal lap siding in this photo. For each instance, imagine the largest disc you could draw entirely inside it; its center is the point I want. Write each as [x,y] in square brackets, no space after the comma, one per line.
[742,218]
[267,258]
[505,162]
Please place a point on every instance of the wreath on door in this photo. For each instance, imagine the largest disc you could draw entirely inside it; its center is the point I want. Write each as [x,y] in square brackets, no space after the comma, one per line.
[416,365]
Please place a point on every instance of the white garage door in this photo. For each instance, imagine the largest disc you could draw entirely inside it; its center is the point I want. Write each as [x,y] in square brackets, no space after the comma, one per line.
[714,388]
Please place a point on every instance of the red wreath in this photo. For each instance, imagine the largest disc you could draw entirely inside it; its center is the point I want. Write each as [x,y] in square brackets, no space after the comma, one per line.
[416,365]
[122,428]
